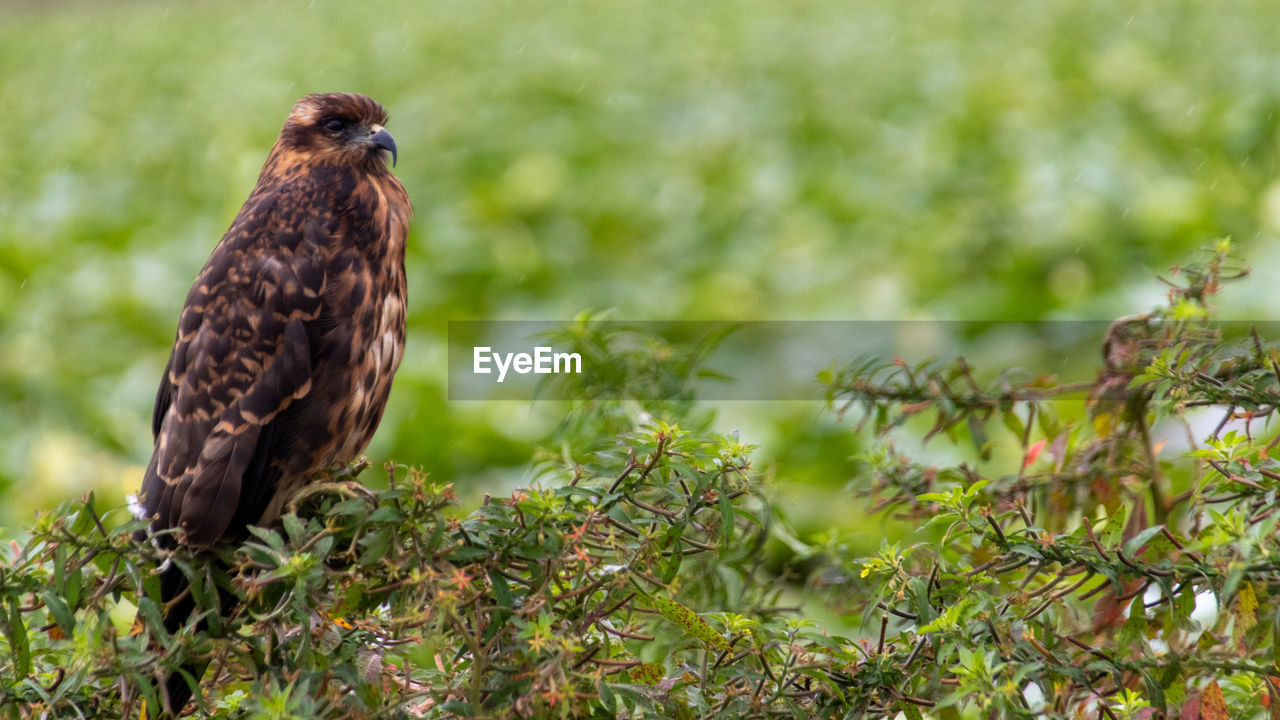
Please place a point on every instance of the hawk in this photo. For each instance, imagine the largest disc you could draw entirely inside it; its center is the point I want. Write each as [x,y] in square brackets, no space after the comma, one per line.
[288,340]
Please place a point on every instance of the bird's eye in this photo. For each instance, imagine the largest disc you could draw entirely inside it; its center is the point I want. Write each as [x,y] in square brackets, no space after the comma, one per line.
[334,125]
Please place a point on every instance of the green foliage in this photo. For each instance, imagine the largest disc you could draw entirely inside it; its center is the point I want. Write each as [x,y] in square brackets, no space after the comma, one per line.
[1103,560]
[571,598]
[1118,562]
[728,159]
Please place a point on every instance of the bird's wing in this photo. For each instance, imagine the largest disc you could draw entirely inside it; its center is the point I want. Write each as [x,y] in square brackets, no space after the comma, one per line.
[243,354]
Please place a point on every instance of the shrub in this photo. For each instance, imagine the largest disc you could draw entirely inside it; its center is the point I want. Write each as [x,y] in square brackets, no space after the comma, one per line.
[1079,561]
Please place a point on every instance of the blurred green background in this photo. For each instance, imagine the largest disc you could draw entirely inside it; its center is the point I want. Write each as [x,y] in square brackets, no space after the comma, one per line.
[809,159]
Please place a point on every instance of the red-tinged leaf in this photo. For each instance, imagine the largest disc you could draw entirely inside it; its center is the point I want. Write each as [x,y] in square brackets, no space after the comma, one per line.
[911,408]
[1213,706]
[1244,610]
[1273,697]
[1033,452]
[692,624]
[648,673]
[1190,709]
[1102,489]
[1058,449]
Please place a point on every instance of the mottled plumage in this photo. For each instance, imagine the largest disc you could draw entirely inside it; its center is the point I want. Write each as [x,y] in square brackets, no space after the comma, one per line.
[287,343]
[289,338]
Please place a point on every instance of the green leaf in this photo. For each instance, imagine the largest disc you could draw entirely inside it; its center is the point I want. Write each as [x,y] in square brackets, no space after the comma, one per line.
[689,621]
[1028,550]
[978,433]
[466,554]
[1135,543]
[606,696]
[60,568]
[1048,422]
[726,513]
[59,612]
[1155,693]
[934,497]
[924,611]
[386,514]
[270,537]
[75,579]
[1185,604]
[83,517]
[18,643]
[501,590]
[295,529]
[1014,423]
[1134,631]
[375,546]
[354,506]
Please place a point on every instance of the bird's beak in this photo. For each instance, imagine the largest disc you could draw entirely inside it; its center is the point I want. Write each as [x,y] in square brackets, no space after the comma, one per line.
[382,139]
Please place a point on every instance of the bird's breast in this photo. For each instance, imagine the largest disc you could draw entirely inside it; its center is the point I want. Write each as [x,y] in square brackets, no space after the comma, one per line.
[366,347]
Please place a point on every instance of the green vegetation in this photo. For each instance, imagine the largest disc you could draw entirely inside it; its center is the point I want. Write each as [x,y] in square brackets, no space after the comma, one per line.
[1071,566]
[720,160]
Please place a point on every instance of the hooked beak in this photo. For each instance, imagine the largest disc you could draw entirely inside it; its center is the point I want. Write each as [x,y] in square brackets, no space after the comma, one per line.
[382,139]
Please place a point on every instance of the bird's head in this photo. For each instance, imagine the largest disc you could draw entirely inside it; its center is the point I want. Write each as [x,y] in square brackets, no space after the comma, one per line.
[339,128]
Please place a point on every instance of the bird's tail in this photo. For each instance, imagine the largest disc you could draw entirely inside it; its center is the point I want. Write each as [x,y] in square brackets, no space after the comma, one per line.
[178,602]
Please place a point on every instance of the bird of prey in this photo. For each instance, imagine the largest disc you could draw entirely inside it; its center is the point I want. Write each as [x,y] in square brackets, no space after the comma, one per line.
[288,340]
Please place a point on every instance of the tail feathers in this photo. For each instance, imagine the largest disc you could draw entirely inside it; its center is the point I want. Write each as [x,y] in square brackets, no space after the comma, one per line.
[177,688]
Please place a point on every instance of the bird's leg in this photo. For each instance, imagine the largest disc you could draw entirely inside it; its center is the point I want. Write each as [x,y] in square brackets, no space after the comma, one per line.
[341,481]
[169,605]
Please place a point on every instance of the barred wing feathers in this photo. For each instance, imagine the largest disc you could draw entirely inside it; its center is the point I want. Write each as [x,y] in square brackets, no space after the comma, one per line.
[243,355]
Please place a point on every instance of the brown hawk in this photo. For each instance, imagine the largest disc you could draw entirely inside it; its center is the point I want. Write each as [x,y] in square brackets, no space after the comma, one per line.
[289,338]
